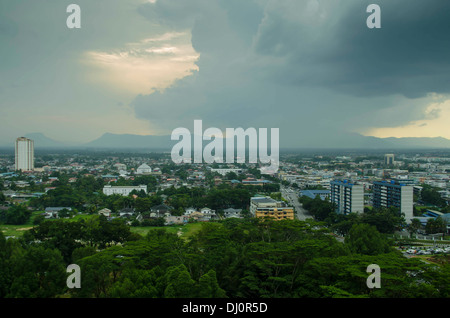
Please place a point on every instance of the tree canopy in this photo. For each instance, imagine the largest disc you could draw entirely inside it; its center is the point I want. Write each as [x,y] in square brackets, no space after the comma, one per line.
[246,258]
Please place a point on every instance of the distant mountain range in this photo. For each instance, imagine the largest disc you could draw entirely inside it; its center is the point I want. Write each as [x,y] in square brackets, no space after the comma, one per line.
[358,141]
[344,141]
[40,140]
[109,140]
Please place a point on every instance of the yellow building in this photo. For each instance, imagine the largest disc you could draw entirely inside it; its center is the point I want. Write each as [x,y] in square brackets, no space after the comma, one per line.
[261,207]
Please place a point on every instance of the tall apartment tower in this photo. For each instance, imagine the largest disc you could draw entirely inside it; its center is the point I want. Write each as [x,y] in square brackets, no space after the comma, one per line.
[24,154]
[389,159]
[348,197]
[394,193]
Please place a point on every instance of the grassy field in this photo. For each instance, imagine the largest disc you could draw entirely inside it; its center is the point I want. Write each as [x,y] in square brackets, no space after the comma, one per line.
[185,231]
[14,230]
[18,230]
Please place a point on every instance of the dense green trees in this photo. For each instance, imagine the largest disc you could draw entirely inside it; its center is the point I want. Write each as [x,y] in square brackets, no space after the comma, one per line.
[68,236]
[414,226]
[63,195]
[346,276]
[386,220]
[365,239]
[217,198]
[320,209]
[431,196]
[437,225]
[248,258]
[30,271]
[4,266]
[16,215]
[40,273]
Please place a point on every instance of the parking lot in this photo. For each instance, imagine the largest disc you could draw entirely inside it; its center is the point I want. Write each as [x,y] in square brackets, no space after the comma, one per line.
[427,250]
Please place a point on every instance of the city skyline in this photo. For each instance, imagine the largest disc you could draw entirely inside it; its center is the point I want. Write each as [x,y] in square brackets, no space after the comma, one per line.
[310,68]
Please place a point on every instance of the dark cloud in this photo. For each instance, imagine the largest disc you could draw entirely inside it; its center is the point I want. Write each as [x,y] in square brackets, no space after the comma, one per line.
[408,55]
[308,67]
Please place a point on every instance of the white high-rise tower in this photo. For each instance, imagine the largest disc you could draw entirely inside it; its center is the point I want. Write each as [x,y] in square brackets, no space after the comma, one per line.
[24,154]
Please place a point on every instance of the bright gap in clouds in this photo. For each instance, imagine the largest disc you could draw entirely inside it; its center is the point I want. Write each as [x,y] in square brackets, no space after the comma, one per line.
[143,67]
[436,123]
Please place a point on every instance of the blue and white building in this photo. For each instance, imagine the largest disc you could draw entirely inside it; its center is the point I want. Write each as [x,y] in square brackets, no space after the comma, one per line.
[394,193]
[347,196]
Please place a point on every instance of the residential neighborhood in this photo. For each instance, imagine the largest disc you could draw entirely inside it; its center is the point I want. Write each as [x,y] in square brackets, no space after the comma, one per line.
[97,203]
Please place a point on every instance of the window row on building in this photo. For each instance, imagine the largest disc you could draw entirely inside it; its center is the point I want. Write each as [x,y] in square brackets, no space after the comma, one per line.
[348,197]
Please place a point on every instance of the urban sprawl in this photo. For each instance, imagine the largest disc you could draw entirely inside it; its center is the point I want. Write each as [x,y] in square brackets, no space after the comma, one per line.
[415,184]
[139,225]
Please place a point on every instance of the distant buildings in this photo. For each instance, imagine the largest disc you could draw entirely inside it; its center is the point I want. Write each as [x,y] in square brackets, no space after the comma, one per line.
[127,212]
[123,190]
[232,213]
[224,172]
[255,182]
[160,210]
[105,212]
[394,193]
[53,212]
[120,166]
[205,214]
[348,197]
[24,154]
[144,169]
[323,194]
[261,207]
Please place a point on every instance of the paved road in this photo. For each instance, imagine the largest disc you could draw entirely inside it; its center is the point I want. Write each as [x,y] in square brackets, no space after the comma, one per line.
[292,197]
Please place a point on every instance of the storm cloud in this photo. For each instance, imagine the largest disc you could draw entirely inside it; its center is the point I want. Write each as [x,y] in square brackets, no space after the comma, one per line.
[309,67]
[312,68]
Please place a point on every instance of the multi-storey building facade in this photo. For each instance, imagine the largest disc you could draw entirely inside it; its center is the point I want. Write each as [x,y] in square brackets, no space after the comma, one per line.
[347,197]
[396,194]
[389,159]
[24,154]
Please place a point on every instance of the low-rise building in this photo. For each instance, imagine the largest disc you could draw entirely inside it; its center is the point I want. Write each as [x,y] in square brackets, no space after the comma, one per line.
[53,212]
[323,194]
[123,190]
[127,212]
[105,212]
[144,169]
[160,210]
[262,207]
[232,213]
[224,172]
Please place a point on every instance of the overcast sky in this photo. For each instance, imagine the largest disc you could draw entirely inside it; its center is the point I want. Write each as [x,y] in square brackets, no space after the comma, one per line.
[311,68]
